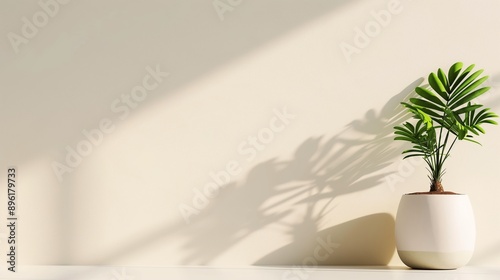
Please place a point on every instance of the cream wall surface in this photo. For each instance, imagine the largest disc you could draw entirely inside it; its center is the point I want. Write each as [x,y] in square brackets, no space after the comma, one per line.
[230,132]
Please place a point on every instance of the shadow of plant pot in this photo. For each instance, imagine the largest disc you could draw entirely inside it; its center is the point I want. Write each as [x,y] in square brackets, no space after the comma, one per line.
[368,240]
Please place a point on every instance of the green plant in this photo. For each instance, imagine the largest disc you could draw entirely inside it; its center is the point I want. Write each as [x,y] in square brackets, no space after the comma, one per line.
[442,114]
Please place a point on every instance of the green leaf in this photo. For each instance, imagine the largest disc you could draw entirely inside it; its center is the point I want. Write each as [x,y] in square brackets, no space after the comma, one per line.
[469,116]
[471,96]
[403,133]
[413,151]
[457,95]
[468,108]
[443,79]
[429,95]
[399,129]
[490,122]
[462,131]
[407,135]
[436,84]
[473,141]
[454,71]
[478,127]
[483,114]
[431,113]
[414,155]
[462,77]
[407,139]
[409,126]
[457,117]
[473,130]
[425,104]
[469,80]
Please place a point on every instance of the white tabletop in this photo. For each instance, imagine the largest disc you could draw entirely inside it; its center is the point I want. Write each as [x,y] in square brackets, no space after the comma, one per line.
[243,273]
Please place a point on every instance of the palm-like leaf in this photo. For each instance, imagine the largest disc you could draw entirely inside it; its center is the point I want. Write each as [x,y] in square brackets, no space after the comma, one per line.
[445,110]
[423,139]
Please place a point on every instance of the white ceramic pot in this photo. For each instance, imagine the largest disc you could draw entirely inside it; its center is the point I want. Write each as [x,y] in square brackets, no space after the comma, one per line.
[435,231]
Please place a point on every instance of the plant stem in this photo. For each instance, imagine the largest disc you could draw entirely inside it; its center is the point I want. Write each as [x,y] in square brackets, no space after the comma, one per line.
[437,165]
[451,146]
[436,186]
[443,155]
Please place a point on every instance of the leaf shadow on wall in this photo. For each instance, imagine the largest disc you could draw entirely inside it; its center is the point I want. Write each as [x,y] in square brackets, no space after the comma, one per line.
[320,171]
[116,42]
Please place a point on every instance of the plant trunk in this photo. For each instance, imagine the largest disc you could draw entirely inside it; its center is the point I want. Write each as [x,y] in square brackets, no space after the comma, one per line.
[436,187]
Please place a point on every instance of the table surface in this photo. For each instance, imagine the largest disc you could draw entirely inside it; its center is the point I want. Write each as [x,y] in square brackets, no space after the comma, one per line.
[250,272]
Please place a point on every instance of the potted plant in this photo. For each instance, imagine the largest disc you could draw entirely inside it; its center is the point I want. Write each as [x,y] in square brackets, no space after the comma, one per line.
[436,229]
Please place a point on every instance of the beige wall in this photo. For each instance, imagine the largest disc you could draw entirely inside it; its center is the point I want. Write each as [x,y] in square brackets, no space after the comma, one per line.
[282,103]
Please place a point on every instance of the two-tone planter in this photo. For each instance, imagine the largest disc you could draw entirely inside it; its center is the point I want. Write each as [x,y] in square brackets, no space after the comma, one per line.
[435,231]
